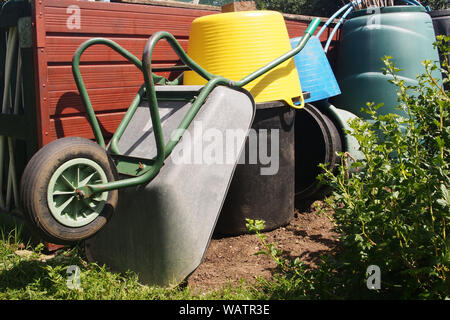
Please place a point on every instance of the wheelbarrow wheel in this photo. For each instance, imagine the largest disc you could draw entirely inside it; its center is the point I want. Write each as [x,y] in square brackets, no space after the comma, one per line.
[49,190]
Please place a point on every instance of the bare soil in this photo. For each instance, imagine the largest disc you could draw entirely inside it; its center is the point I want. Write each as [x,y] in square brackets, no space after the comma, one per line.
[228,260]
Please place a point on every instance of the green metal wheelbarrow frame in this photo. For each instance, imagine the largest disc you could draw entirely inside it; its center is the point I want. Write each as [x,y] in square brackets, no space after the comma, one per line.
[148,168]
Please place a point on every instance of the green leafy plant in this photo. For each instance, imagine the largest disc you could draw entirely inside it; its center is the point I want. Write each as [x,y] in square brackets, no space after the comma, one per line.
[270,249]
[323,8]
[294,280]
[394,211]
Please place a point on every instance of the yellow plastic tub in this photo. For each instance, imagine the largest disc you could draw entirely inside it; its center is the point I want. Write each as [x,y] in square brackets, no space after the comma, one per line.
[236,44]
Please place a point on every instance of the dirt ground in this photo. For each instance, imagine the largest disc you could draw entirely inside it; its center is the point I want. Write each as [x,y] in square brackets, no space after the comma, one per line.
[230,259]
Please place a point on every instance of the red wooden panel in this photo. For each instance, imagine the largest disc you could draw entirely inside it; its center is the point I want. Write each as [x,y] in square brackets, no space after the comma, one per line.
[107,99]
[110,87]
[79,126]
[111,81]
[298,28]
[60,78]
[62,48]
[145,23]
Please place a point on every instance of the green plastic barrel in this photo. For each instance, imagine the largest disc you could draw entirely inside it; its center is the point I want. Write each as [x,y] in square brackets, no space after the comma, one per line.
[403,32]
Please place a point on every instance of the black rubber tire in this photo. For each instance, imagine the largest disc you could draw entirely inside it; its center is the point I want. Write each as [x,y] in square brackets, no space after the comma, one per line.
[36,178]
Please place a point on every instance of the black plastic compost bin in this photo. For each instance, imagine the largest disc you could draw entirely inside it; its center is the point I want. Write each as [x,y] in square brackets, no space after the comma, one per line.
[252,194]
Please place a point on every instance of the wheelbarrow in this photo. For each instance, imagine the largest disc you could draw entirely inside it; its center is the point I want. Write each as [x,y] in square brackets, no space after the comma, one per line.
[70,188]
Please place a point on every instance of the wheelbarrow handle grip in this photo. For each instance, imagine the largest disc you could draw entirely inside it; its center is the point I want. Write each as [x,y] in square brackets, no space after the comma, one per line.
[313,26]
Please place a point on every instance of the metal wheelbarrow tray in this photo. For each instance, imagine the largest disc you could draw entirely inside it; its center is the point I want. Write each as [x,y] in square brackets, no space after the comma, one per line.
[162,229]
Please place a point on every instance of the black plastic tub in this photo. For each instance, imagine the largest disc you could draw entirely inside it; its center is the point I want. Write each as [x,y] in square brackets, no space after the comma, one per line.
[263,190]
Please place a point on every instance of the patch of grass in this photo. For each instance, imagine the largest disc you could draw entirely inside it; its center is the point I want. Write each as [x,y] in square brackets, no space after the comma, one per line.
[27,273]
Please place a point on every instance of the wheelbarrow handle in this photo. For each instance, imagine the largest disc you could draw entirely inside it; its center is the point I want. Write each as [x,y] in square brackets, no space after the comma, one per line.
[82,88]
[189,62]
[163,150]
[213,80]
[313,26]
[308,33]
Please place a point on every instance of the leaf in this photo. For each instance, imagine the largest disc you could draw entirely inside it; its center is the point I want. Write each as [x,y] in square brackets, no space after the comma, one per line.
[445,193]
[260,252]
[358,237]
[446,259]
[255,225]
[443,203]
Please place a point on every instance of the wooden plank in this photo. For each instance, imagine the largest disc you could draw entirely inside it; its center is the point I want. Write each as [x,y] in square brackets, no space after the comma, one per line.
[111,87]
[79,126]
[38,22]
[62,48]
[239,6]
[126,6]
[104,100]
[297,28]
[60,78]
[40,66]
[303,18]
[118,23]
[168,3]
[105,94]
[41,95]
[112,82]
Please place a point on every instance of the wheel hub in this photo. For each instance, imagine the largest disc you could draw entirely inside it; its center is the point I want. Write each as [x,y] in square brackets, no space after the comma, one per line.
[67,201]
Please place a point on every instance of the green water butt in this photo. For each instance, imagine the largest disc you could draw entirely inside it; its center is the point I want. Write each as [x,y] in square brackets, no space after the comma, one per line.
[403,32]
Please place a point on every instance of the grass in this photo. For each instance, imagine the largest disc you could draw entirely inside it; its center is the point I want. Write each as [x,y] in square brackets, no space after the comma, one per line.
[27,273]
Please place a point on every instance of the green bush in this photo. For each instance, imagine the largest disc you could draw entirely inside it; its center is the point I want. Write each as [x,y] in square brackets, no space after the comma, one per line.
[394,211]
[321,8]
[324,8]
[436,4]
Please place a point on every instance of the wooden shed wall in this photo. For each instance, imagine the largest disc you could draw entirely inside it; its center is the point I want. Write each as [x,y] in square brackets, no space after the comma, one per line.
[111,81]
